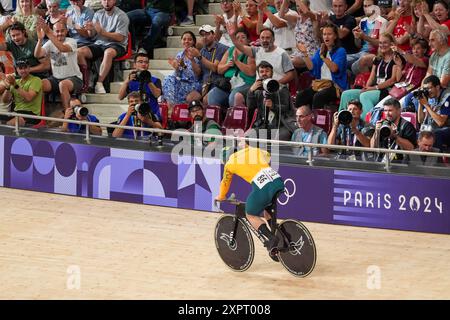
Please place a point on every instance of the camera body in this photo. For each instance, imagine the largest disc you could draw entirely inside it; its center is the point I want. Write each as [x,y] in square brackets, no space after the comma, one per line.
[142,108]
[421,92]
[80,111]
[386,129]
[143,76]
[345,117]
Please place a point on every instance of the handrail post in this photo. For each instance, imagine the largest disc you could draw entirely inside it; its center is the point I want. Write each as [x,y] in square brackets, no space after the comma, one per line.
[310,157]
[88,136]
[16,130]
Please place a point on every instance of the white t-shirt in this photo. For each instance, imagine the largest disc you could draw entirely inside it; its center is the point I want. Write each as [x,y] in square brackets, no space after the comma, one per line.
[284,37]
[64,65]
[7,5]
[325,72]
[225,39]
[278,58]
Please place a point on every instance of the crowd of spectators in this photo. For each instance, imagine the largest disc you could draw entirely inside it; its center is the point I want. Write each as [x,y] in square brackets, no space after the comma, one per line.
[374,59]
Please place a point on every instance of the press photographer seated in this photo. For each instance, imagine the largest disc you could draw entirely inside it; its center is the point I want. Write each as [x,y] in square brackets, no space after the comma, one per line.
[141,80]
[434,110]
[272,102]
[394,132]
[139,114]
[77,112]
[350,130]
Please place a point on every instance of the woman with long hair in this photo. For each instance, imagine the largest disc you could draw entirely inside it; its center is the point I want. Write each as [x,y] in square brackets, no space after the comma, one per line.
[239,69]
[186,75]
[25,15]
[329,68]
[383,76]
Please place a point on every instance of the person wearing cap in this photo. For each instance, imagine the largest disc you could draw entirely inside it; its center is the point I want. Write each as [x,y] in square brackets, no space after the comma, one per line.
[201,124]
[133,118]
[22,48]
[66,78]
[79,128]
[385,8]
[26,93]
[209,57]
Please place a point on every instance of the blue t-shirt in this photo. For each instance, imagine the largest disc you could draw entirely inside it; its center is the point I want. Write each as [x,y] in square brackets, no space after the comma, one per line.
[134,86]
[81,128]
[129,134]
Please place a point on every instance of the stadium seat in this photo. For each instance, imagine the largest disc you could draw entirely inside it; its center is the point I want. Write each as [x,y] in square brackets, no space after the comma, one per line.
[164,111]
[180,113]
[411,117]
[323,118]
[42,123]
[361,80]
[129,53]
[213,112]
[236,118]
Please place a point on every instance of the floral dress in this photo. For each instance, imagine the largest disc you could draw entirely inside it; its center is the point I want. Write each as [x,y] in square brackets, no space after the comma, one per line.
[183,81]
[304,33]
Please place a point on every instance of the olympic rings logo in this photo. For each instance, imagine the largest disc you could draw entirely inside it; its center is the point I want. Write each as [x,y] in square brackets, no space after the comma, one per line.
[289,191]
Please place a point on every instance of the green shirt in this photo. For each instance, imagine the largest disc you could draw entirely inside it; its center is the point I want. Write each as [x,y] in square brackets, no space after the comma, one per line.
[232,71]
[440,65]
[25,52]
[30,83]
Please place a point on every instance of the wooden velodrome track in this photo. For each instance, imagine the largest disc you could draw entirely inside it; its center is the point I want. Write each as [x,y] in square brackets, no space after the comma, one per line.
[127,251]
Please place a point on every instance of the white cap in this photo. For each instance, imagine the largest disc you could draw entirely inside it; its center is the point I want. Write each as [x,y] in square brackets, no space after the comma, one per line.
[206,28]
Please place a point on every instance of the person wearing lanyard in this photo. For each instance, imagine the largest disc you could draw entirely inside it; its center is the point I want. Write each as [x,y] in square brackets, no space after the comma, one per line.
[382,77]
[308,132]
[353,134]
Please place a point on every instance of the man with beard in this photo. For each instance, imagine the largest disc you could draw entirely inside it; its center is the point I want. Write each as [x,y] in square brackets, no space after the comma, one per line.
[283,69]
[201,124]
[401,135]
[22,48]
[110,27]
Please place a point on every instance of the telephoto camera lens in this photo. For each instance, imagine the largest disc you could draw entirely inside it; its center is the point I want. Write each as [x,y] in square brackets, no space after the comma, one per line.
[271,85]
[81,111]
[345,117]
[386,129]
[142,108]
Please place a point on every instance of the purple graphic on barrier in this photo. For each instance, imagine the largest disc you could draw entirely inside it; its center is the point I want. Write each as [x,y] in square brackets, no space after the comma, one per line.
[311,194]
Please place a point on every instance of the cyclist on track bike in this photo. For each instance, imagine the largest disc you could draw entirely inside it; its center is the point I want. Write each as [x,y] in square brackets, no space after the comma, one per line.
[252,165]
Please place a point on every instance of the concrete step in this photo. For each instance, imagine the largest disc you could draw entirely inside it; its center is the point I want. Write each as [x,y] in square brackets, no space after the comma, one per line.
[215,8]
[115,86]
[178,31]
[202,19]
[154,63]
[165,53]
[106,113]
[107,98]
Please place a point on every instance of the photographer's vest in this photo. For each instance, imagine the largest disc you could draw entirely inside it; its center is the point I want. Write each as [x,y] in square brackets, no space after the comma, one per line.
[437,106]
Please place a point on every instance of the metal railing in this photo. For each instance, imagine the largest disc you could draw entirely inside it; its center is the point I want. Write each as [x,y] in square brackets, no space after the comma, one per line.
[179,132]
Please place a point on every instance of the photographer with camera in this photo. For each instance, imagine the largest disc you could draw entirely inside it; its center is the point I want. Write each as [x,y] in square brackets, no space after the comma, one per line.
[141,80]
[349,129]
[436,102]
[201,124]
[272,101]
[139,114]
[394,132]
[76,111]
